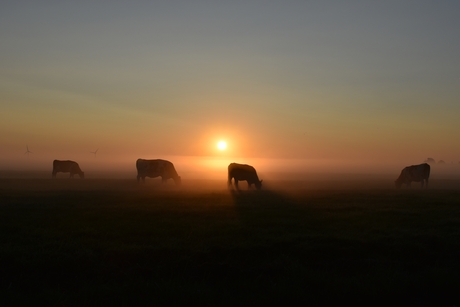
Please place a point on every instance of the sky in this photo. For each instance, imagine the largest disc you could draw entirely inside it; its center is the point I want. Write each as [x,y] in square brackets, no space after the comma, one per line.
[315,82]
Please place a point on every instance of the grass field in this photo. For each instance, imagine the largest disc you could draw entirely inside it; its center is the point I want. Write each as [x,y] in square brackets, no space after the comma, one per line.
[113,242]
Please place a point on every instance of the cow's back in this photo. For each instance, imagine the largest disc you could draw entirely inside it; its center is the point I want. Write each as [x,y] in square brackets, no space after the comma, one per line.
[64,166]
[67,166]
[242,172]
[155,168]
[419,172]
[150,168]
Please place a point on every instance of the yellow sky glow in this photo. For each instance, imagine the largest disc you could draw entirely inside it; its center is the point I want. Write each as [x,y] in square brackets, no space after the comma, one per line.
[222,145]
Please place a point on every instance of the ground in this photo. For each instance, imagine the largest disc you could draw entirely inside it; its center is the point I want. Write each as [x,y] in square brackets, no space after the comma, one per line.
[85,242]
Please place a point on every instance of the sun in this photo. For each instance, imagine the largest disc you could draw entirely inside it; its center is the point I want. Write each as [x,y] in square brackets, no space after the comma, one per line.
[222,145]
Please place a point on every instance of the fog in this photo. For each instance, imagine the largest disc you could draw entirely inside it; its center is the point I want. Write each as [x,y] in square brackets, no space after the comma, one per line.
[215,168]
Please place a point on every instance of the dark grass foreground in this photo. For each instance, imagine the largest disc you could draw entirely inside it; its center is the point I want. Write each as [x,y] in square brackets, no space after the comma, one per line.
[112,242]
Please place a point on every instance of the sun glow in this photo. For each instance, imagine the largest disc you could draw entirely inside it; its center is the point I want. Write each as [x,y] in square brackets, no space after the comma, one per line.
[222,145]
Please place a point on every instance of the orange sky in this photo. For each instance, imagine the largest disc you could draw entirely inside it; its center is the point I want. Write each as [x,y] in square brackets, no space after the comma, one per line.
[343,83]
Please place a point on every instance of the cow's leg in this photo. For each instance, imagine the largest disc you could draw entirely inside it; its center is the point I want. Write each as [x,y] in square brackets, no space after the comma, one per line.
[426,183]
[422,183]
[138,177]
[229,182]
[143,179]
[236,184]
[53,174]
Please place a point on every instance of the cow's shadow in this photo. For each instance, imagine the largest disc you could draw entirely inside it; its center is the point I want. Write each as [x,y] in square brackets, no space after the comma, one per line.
[255,198]
[252,205]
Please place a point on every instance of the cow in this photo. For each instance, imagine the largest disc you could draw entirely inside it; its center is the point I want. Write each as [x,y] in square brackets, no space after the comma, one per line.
[417,173]
[243,172]
[67,166]
[156,168]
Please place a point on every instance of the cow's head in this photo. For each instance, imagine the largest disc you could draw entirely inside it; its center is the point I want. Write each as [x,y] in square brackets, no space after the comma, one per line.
[177,180]
[258,184]
[82,175]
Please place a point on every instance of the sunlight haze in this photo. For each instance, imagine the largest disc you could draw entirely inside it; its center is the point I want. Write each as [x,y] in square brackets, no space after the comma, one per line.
[222,145]
[295,85]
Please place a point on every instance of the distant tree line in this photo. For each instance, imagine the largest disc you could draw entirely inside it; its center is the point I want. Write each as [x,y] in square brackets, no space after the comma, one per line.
[433,161]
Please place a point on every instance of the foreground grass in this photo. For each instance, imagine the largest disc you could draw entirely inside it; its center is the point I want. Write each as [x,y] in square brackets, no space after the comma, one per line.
[111,242]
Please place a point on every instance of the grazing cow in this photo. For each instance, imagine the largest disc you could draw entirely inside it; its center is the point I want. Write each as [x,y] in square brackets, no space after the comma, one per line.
[156,168]
[417,173]
[67,167]
[243,172]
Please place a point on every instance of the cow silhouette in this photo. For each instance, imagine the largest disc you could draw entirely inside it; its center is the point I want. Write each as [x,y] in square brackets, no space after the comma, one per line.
[417,173]
[67,166]
[243,172]
[156,168]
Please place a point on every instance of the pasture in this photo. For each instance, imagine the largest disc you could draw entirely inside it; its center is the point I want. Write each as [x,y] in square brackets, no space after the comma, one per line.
[113,242]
